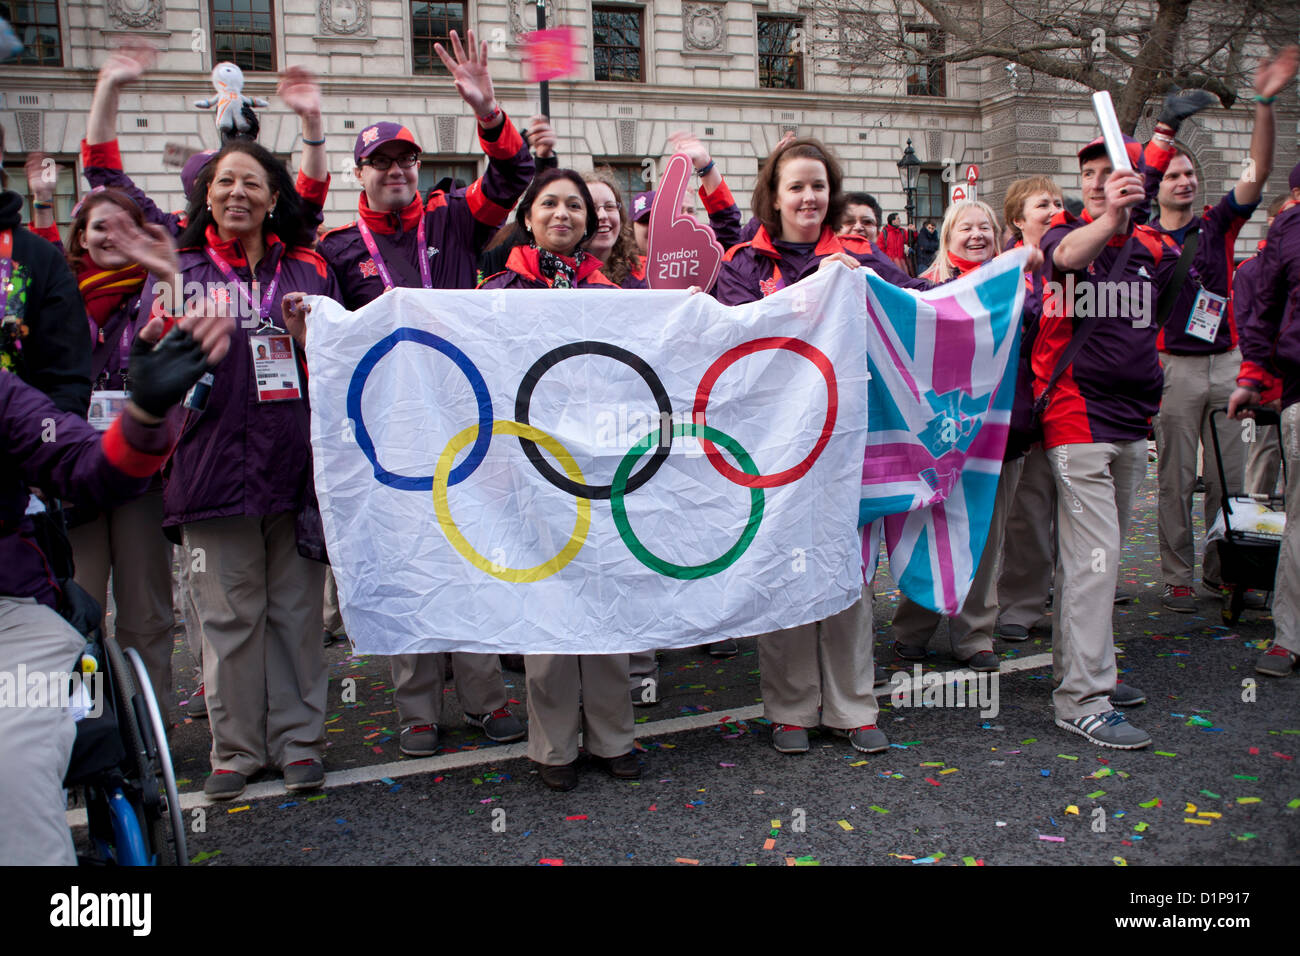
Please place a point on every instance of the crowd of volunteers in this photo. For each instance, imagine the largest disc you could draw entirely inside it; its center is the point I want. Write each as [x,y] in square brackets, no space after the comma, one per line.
[163,435]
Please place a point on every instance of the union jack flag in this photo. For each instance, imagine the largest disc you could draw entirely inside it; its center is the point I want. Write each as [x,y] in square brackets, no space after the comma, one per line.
[943,376]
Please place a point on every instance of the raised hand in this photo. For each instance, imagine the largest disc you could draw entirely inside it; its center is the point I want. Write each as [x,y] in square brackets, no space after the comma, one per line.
[127,63]
[299,90]
[42,176]
[470,73]
[1274,74]
[683,142]
[682,253]
[151,247]
[541,137]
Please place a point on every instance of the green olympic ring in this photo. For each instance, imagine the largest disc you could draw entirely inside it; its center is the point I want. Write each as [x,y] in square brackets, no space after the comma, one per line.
[684,572]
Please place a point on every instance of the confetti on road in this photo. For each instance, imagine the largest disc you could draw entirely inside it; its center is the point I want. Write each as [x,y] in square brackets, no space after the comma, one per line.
[1053,839]
[845,825]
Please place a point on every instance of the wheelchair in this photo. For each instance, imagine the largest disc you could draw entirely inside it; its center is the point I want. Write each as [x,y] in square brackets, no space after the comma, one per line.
[121,768]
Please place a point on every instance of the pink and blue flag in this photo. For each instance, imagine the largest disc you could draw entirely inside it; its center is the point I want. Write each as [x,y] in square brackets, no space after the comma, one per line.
[942,369]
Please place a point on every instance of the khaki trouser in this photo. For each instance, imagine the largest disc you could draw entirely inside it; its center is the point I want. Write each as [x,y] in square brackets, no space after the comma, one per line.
[35,742]
[1029,543]
[1194,386]
[970,630]
[185,594]
[1264,463]
[264,670]
[1095,485]
[418,685]
[821,674]
[1286,587]
[128,541]
[572,692]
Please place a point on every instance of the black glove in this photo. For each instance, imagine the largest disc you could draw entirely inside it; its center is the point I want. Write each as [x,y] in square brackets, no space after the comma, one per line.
[162,374]
[1179,105]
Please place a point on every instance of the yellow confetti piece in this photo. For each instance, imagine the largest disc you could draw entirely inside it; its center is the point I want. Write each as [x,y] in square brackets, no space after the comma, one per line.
[933,763]
[858,763]
[1210,813]
[1248,799]
[1072,809]
[845,825]
[238,809]
[776,824]
[1067,757]
[949,770]
[1204,823]
[1119,861]
[1191,808]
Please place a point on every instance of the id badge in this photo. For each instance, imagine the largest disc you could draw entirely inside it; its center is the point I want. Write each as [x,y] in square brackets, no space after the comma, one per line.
[105,406]
[275,368]
[1207,313]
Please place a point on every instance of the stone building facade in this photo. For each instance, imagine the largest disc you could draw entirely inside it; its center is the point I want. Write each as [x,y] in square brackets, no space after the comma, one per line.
[736,73]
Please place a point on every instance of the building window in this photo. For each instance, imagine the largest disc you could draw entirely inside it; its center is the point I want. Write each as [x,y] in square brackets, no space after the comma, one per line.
[432,23]
[65,191]
[616,44]
[628,176]
[931,196]
[36,24]
[780,53]
[924,73]
[242,33]
[434,169]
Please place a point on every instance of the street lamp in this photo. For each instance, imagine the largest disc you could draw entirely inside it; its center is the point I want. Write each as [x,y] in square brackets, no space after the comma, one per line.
[909,173]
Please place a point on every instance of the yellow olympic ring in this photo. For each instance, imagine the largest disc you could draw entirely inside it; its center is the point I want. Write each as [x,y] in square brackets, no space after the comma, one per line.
[514,575]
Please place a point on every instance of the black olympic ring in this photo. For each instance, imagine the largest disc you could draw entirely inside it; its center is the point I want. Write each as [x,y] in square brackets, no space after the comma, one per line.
[552,358]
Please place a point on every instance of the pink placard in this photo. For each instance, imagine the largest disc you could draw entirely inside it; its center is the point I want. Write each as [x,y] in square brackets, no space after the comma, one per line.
[549,54]
[682,253]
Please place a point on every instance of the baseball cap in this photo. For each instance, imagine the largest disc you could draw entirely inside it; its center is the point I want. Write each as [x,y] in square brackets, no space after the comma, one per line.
[193,166]
[1098,148]
[377,134]
[641,206]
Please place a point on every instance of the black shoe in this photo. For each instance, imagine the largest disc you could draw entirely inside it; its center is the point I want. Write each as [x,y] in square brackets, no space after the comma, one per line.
[328,637]
[881,676]
[562,777]
[625,767]
[1199,487]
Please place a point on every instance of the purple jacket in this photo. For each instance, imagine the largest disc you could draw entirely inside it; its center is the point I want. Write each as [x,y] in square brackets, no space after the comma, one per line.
[1271,338]
[59,453]
[458,225]
[240,456]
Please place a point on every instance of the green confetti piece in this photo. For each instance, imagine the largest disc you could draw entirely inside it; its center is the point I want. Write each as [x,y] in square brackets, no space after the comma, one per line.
[1294,804]
[1163,753]
[1242,776]
[1096,793]
[937,856]
[1245,836]
[968,860]
[883,810]
[933,763]
[1031,740]
[1248,799]
[1067,757]
[1153,802]
[1141,827]
[319,796]
[1207,793]
[205,855]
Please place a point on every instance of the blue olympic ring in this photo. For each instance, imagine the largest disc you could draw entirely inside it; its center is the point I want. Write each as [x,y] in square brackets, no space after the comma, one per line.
[476,382]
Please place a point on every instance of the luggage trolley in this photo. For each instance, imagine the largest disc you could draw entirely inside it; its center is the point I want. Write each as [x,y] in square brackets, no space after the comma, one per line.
[122,768]
[1247,557]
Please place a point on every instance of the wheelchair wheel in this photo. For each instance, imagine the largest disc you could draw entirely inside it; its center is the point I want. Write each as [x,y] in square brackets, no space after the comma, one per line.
[170,847]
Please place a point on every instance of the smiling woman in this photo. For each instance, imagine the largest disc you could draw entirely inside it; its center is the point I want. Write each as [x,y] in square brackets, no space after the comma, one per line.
[967,239]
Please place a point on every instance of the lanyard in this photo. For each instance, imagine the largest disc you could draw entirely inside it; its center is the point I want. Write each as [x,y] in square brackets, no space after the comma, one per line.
[422,253]
[264,310]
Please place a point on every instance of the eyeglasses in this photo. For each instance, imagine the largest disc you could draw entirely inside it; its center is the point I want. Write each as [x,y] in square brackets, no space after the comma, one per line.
[385,163]
[608,207]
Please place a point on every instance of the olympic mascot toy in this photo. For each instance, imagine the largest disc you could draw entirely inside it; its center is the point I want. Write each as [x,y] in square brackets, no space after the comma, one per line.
[235,116]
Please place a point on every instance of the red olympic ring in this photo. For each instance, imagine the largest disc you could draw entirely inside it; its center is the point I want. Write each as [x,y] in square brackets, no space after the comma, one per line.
[729,357]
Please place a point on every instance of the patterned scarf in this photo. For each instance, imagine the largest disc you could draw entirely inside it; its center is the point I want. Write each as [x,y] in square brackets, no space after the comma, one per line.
[105,289]
[561,270]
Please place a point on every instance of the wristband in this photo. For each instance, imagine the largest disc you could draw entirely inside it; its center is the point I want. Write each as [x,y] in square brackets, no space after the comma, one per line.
[1163,139]
[491,117]
[704,170]
[42,204]
[1265,100]
[313,142]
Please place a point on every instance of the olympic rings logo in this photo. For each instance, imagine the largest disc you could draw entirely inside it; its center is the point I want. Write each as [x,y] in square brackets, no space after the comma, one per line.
[627,478]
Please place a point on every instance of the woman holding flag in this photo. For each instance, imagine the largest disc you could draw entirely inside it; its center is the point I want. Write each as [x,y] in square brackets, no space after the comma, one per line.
[239,488]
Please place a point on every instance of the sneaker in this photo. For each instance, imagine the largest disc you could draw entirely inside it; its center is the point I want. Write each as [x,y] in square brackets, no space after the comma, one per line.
[1013,632]
[625,766]
[869,739]
[984,662]
[1179,598]
[1124,596]
[224,785]
[304,775]
[562,777]
[197,705]
[1126,695]
[500,725]
[1276,662]
[421,741]
[723,648]
[908,652]
[788,739]
[1110,729]
[881,677]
